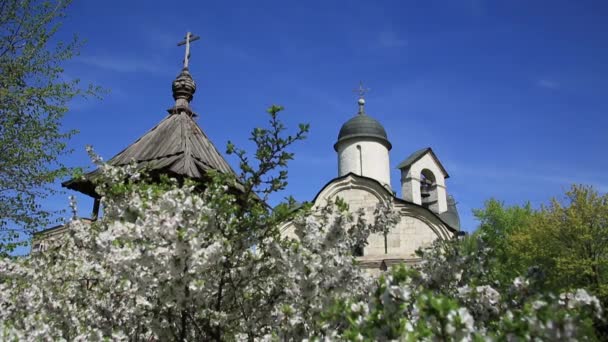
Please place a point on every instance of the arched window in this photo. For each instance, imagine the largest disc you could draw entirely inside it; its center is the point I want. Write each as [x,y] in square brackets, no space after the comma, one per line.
[428,189]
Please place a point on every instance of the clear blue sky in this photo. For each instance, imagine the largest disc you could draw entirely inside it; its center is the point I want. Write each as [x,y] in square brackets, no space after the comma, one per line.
[511,95]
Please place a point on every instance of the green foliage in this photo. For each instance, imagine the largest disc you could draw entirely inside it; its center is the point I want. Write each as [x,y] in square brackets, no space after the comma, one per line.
[566,242]
[497,226]
[576,236]
[34,95]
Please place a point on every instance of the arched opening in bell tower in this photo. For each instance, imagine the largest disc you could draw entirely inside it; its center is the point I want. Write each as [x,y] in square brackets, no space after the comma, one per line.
[428,190]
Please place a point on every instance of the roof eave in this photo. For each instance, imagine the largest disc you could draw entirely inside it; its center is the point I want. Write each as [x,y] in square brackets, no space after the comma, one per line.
[407,162]
[392,195]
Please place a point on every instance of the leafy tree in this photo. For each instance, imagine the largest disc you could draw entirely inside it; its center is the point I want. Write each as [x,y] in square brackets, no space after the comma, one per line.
[567,239]
[566,242]
[498,225]
[34,95]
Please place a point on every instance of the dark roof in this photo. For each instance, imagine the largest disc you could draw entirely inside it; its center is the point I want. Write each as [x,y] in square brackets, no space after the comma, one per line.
[363,126]
[419,154]
[176,146]
[451,216]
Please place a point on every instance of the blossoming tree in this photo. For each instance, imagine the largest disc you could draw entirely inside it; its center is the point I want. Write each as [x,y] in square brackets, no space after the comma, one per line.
[178,260]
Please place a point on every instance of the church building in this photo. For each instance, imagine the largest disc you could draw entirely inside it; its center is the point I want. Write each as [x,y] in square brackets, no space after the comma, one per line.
[427,212]
[178,147]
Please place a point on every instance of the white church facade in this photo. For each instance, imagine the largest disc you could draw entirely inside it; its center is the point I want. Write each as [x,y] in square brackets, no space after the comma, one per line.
[426,211]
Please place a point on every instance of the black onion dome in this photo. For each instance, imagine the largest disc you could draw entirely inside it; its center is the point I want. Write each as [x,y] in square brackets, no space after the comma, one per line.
[363,126]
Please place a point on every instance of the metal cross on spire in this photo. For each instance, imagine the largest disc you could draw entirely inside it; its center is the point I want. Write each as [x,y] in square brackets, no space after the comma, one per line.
[362,91]
[187,40]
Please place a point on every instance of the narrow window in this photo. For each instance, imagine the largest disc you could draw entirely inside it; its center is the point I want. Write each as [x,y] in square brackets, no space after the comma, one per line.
[360,160]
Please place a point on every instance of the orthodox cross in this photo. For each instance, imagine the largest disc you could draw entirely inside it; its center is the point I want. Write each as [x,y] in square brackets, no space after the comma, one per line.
[361,90]
[187,40]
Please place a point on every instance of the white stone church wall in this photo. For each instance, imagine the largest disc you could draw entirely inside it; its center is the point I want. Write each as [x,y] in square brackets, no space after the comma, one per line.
[410,234]
[416,228]
[405,238]
[373,155]
[402,241]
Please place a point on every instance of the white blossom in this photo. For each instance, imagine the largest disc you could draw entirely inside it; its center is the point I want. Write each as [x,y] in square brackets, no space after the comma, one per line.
[181,264]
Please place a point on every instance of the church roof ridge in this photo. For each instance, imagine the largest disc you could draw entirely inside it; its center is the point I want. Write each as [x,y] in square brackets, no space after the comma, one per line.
[414,157]
[176,145]
[392,195]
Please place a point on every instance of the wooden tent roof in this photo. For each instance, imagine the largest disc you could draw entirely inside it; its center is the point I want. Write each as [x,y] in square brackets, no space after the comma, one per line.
[176,146]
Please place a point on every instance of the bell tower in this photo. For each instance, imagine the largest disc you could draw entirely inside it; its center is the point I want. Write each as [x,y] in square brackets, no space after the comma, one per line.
[423,180]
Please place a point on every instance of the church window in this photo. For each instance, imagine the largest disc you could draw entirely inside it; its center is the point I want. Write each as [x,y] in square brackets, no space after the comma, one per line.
[360,160]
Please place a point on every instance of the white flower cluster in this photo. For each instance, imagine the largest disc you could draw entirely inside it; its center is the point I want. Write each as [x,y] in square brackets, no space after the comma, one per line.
[428,305]
[169,262]
[579,299]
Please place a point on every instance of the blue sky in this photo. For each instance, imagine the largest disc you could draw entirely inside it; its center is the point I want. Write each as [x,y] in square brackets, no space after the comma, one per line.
[511,95]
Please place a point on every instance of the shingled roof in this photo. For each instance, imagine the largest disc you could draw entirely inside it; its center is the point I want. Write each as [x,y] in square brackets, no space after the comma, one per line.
[176,146]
